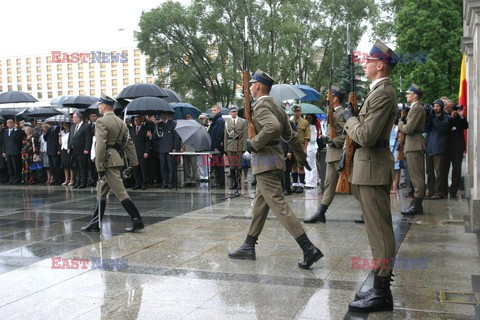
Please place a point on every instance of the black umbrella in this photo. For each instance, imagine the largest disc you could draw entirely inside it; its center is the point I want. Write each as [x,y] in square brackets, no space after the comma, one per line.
[119,105]
[93,108]
[44,113]
[79,102]
[16,97]
[172,96]
[148,105]
[58,101]
[142,90]
[2,120]
[9,113]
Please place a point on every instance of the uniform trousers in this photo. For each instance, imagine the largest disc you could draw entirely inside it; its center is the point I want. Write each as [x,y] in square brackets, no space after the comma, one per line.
[416,171]
[331,180]
[113,182]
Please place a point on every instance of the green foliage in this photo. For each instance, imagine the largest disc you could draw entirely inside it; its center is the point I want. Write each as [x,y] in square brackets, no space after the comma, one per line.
[435,27]
[197,50]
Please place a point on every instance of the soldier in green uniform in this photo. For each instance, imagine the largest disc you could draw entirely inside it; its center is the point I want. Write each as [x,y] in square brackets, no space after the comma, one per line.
[334,154]
[301,126]
[112,144]
[373,171]
[414,149]
[235,139]
[271,125]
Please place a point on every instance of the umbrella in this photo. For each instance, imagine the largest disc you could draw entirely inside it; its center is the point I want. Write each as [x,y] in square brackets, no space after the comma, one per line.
[181,109]
[119,105]
[307,108]
[41,113]
[58,101]
[224,111]
[193,134]
[79,102]
[142,90]
[2,119]
[148,105]
[9,113]
[58,118]
[172,96]
[93,108]
[282,92]
[310,93]
[16,97]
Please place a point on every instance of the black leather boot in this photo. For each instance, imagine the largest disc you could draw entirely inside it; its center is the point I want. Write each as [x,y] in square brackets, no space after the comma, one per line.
[137,223]
[93,224]
[415,207]
[379,298]
[246,250]
[311,254]
[319,216]
[233,179]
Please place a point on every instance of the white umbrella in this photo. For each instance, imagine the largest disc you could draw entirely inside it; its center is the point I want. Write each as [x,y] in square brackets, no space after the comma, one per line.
[193,134]
[284,91]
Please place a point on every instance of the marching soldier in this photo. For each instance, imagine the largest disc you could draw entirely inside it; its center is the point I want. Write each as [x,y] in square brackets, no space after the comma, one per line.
[112,144]
[271,125]
[373,172]
[334,154]
[414,149]
[235,144]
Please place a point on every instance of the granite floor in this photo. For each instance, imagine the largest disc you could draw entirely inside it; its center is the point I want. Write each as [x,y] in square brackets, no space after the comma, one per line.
[178,267]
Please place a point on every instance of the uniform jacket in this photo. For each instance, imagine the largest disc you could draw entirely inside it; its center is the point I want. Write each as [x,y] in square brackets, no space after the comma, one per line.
[81,140]
[235,137]
[413,128]
[303,130]
[51,137]
[140,140]
[12,146]
[108,130]
[335,153]
[165,137]
[373,165]
[217,132]
[437,128]
[271,124]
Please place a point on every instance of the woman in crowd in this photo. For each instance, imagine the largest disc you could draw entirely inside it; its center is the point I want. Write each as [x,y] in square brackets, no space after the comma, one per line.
[66,158]
[311,176]
[29,155]
[43,152]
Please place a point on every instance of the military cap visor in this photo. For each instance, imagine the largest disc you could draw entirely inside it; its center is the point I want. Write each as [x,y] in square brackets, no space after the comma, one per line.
[381,52]
[339,92]
[233,109]
[415,89]
[262,77]
[107,100]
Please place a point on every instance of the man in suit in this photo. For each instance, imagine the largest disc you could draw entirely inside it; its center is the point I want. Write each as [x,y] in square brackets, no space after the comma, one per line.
[12,151]
[334,154]
[167,140]
[373,172]
[53,153]
[235,145]
[217,133]
[142,146]
[79,146]
[414,148]
[3,163]
[91,133]
[113,143]
[271,125]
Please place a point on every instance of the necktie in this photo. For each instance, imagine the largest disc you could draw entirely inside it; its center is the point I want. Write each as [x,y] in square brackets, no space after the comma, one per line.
[138,129]
[10,132]
[76,129]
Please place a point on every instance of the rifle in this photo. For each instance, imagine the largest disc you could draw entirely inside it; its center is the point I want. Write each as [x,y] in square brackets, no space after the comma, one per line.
[330,105]
[345,166]
[246,86]
[401,135]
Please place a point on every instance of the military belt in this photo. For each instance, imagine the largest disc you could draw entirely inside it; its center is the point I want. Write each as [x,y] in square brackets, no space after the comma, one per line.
[378,144]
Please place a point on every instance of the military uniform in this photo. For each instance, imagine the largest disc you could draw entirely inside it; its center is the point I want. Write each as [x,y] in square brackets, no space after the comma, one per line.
[235,139]
[271,125]
[111,135]
[414,150]
[302,127]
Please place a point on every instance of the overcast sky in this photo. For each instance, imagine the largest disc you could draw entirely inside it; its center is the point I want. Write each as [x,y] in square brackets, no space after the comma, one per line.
[29,27]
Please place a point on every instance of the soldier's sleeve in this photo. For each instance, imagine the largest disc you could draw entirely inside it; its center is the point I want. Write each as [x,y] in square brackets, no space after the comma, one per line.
[367,134]
[294,145]
[339,139]
[101,145]
[414,122]
[130,151]
[225,135]
[271,128]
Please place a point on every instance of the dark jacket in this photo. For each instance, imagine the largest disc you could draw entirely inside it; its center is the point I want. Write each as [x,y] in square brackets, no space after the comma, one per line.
[81,140]
[51,137]
[436,129]
[165,137]
[217,131]
[140,140]
[455,137]
[12,146]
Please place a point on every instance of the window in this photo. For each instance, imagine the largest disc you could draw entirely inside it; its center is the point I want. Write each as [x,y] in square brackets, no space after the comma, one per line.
[137,80]
[10,87]
[19,79]
[49,59]
[29,87]
[92,92]
[29,69]
[92,74]
[70,85]
[49,77]
[49,68]
[49,86]
[19,70]
[137,72]
[40,95]
[29,60]
[9,71]
[114,64]
[114,82]
[39,86]
[50,95]
[19,61]
[59,67]
[102,65]
[70,76]
[114,73]
[136,62]
[125,82]
[92,83]
[80,75]
[81,92]
[103,73]
[80,66]
[9,62]
[59,76]
[60,93]
[70,67]
[39,77]
[149,80]
[29,78]
[39,69]
[137,53]
[125,72]
[80,84]
[115,91]
[103,83]
[70,92]
[60,85]
[92,65]
[39,60]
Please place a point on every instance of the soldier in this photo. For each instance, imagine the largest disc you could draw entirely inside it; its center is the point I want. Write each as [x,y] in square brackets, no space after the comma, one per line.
[235,144]
[302,128]
[414,148]
[373,171]
[112,144]
[334,154]
[271,125]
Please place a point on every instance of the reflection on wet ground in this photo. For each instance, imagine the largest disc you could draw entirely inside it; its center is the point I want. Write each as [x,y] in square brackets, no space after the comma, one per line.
[178,267]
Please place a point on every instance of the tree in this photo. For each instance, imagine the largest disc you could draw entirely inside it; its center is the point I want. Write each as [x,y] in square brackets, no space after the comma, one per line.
[432,27]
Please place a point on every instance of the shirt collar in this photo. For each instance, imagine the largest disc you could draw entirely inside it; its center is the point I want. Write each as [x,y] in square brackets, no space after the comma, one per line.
[336,108]
[374,83]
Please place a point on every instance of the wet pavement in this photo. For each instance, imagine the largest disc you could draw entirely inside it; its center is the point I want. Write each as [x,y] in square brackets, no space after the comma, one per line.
[178,267]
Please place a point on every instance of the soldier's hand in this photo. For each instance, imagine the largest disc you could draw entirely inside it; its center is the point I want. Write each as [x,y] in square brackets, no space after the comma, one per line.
[347,114]
[250,148]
